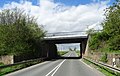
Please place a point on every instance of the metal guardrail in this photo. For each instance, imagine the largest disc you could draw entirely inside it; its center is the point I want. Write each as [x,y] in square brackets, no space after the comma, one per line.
[115,68]
[23,62]
[104,65]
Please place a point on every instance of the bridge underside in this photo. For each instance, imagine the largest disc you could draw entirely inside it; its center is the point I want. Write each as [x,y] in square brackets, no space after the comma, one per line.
[51,49]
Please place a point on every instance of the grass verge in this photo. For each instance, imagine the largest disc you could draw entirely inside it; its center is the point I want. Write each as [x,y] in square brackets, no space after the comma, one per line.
[10,69]
[78,53]
[104,70]
[1,64]
[62,52]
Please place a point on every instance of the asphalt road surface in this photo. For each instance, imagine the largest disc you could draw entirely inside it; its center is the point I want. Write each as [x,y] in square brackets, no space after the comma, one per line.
[61,67]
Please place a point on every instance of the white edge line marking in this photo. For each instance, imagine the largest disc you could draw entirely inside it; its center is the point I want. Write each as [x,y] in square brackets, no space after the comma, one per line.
[86,64]
[27,68]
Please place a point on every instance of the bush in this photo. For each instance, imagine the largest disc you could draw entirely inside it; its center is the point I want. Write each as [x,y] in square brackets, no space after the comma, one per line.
[19,33]
[104,58]
[109,38]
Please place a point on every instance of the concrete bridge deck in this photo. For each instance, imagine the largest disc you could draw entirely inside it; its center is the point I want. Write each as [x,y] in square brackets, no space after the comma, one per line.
[51,40]
[65,37]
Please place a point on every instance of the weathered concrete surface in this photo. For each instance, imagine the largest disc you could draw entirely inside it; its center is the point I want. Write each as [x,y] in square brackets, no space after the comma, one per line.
[48,48]
[7,59]
[51,44]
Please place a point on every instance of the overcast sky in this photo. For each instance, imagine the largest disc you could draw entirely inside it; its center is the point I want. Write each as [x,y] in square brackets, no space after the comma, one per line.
[62,15]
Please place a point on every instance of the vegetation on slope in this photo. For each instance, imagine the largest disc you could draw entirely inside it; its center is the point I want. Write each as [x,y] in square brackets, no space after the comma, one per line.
[108,40]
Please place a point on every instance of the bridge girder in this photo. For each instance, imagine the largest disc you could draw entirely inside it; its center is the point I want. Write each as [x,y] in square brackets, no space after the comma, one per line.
[51,44]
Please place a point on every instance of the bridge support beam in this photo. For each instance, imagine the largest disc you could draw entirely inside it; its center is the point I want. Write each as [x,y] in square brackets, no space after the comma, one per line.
[52,51]
[49,50]
[83,47]
[80,50]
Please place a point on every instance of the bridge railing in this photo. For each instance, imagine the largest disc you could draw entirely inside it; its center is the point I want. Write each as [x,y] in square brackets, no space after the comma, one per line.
[66,33]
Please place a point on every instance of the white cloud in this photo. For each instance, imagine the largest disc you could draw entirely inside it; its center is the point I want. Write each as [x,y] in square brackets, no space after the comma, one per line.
[56,17]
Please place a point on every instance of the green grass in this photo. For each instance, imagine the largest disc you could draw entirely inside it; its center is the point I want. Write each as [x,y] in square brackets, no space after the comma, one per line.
[108,51]
[1,64]
[62,52]
[105,71]
[78,52]
[10,69]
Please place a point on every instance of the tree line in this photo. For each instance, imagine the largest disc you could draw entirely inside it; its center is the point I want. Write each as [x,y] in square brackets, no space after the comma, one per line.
[108,40]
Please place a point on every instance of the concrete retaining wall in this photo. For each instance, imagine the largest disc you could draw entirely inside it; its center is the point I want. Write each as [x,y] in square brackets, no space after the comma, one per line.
[97,57]
[8,59]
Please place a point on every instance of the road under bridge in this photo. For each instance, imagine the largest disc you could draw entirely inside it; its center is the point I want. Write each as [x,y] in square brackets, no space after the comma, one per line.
[50,42]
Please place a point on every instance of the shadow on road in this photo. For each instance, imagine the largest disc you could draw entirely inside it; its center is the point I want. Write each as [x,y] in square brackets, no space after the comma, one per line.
[57,58]
[61,57]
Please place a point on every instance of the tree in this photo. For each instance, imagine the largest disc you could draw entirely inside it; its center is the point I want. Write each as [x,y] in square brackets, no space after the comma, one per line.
[109,37]
[19,32]
[111,26]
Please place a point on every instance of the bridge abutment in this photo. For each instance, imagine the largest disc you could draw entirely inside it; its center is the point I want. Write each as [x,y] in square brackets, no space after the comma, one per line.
[52,50]
[49,50]
[51,42]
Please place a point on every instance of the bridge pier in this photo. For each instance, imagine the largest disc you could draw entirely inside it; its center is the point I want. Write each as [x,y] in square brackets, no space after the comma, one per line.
[80,50]
[82,47]
[52,51]
[49,50]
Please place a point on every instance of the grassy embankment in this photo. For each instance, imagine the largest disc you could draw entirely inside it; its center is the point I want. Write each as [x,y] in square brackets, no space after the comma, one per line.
[60,53]
[105,71]
[1,64]
[78,52]
[10,69]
